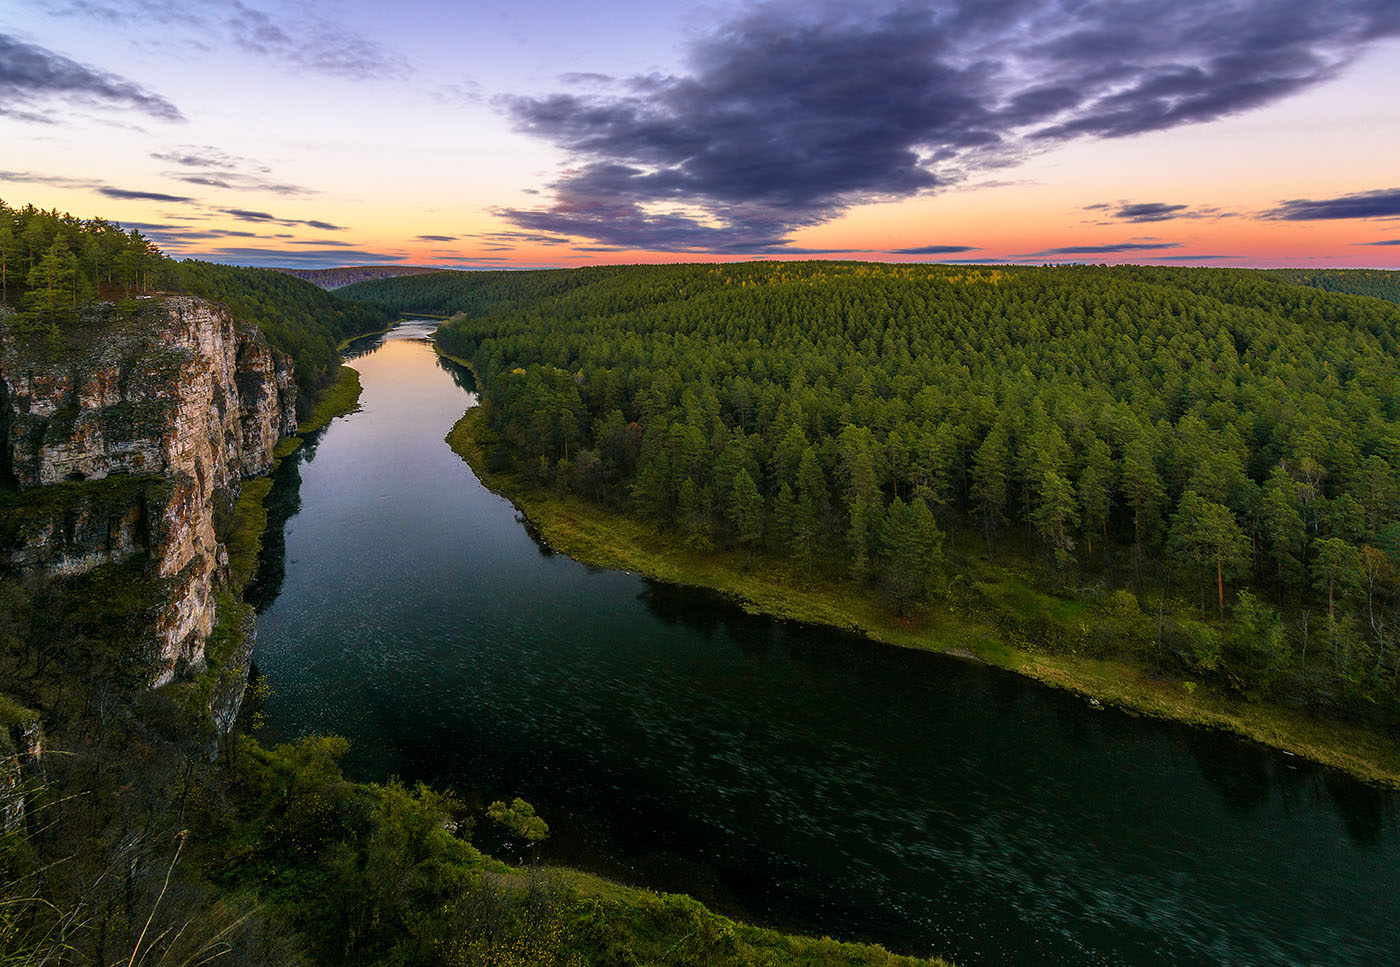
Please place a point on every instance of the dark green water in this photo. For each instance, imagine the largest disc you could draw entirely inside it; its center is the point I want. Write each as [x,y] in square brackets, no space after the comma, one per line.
[790,775]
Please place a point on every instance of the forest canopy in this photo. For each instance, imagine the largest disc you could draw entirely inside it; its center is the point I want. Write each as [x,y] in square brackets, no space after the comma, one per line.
[52,264]
[1228,437]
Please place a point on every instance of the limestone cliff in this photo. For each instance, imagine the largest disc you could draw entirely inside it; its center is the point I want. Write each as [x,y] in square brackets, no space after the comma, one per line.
[169,409]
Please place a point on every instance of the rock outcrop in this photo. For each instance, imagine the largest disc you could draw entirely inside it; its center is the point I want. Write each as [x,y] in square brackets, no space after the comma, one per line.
[170,410]
[21,756]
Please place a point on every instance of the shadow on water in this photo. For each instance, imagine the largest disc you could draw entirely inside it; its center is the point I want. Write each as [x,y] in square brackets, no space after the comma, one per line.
[1241,776]
[282,504]
[1369,813]
[461,376]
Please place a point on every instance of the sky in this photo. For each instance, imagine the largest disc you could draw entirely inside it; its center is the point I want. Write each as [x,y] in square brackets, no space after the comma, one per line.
[532,133]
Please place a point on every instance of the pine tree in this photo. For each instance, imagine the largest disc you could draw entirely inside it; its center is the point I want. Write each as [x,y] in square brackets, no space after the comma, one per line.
[1206,535]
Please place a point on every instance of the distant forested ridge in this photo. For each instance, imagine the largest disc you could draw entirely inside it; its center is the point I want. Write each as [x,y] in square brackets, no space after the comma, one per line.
[301,319]
[52,264]
[1377,283]
[348,275]
[1217,447]
[445,293]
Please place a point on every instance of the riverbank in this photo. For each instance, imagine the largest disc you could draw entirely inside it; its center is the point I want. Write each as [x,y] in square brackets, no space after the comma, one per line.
[449,895]
[598,537]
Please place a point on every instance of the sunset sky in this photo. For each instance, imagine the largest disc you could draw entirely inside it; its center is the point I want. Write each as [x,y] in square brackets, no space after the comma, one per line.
[529,133]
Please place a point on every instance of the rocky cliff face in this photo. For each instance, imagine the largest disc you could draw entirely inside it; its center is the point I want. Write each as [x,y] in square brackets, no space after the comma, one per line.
[21,756]
[170,410]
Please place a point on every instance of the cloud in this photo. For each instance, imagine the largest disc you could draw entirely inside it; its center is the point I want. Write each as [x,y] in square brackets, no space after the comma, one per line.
[299,258]
[788,115]
[33,77]
[178,238]
[1387,241]
[126,194]
[1191,258]
[1104,249]
[236,182]
[1382,203]
[30,177]
[206,156]
[437,238]
[245,215]
[87,184]
[1150,212]
[933,250]
[522,237]
[312,42]
[316,44]
[214,167]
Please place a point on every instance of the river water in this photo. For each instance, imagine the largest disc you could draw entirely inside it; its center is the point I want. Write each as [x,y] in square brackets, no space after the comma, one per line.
[784,774]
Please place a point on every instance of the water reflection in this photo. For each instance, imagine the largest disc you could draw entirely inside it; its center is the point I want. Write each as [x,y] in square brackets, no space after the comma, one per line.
[789,774]
[1239,773]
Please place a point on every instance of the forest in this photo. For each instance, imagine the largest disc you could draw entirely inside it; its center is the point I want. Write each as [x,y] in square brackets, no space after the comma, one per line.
[52,264]
[1206,459]
[139,835]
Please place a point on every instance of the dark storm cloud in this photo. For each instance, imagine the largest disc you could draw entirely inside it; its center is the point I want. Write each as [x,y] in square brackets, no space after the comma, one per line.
[1105,249]
[786,116]
[33,77]
[243,214]
[1383,203]
[126,194]
[933,250]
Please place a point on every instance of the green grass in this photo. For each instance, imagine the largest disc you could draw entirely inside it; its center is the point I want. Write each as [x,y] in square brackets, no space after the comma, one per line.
[340,398]
[196,696]
[244,541]
[992,615]
[11,714]
[665,928]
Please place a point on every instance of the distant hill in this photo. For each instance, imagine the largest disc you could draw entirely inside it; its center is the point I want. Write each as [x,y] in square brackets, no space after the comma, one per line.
[335,278]
[1377,283]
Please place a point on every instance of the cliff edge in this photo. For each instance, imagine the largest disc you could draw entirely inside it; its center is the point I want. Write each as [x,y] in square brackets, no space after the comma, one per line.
[131,441]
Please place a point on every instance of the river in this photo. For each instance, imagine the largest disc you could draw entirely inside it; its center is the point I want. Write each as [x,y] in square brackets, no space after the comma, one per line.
[785,774]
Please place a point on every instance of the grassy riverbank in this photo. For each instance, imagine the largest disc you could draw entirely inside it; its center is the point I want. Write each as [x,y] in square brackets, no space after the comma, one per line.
[596,536]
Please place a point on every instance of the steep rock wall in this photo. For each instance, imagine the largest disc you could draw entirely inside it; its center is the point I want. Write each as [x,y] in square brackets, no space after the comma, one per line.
[170,410]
